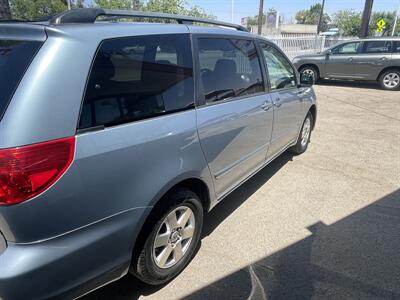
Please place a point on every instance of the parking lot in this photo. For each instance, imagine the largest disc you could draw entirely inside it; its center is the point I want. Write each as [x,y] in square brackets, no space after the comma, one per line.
[325,224]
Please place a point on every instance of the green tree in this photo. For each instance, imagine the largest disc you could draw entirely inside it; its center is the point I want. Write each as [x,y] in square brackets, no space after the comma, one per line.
[165,6]
[253,21]
[388,17]
[36,9]
[311,16]
[114,4]
[78,3]
[176,7]
[348,22]
[198,12]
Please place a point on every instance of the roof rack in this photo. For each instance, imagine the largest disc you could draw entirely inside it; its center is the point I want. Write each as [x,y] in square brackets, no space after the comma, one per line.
[89,15]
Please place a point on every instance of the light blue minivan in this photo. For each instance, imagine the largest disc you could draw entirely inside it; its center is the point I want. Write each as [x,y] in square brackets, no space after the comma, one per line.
[116,138]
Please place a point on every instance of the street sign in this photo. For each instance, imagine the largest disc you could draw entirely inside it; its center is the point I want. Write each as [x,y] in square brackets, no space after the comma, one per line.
[380,25]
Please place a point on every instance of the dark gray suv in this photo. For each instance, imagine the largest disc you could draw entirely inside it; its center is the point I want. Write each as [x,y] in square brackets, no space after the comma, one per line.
[116,138]
[368,59]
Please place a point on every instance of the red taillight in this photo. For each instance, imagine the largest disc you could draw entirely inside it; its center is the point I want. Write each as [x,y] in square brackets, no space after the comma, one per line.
[29,170]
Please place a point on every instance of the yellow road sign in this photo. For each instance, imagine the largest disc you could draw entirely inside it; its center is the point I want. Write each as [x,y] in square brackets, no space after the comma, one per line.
[380,25]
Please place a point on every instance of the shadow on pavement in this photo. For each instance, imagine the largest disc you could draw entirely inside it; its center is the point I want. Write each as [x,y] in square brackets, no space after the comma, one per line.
[233,201]
[358,257]
[350,83]
[130,288]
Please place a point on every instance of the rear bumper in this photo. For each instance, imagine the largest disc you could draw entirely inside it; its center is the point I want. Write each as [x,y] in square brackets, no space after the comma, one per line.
[72,264]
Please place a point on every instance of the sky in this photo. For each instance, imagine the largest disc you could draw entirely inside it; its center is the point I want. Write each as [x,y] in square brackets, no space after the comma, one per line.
[243,8]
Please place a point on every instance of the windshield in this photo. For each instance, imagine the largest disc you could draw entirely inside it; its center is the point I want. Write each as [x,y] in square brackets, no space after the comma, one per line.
[15,56]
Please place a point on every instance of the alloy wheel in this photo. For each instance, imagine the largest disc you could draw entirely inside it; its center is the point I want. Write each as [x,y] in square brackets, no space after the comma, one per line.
[309,72]
[305,133]
[391,80]
[173,237]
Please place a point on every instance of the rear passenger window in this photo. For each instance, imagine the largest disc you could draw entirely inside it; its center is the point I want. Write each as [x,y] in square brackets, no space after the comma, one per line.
[377,47]
[396,47]
[228,68]
[138,77]
[15,57]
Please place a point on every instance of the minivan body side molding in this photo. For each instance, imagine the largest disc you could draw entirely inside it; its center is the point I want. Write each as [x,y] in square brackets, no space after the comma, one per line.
[237,163]
[252,173]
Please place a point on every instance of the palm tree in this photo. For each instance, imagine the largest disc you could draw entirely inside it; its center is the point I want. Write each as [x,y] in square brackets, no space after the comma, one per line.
[4,10]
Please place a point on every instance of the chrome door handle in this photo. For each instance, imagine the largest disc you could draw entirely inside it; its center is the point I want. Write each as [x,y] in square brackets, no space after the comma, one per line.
[277,103]
[266,106]
[383,58]
[351,59]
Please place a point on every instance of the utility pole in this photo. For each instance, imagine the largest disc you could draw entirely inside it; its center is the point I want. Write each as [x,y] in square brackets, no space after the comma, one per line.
[395,19]
[366,18]
[260,16]
[135,5]
[4,10]
[321,14]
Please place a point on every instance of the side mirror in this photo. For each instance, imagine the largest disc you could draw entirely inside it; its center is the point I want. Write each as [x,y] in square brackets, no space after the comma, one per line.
[328,52]
[306,80]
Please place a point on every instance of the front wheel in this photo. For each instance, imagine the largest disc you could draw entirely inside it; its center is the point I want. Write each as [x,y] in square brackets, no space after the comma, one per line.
[173,239]
[304,136]
[390,80]
[310,71]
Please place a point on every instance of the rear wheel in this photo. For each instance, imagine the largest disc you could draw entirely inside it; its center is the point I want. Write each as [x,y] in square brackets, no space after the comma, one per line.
[390,80]
[304,136]
[172,241]
[311,71]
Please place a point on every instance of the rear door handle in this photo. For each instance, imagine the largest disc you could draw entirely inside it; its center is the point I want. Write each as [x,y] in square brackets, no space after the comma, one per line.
[266,106]
[277,103]
[383,58]
[351,59]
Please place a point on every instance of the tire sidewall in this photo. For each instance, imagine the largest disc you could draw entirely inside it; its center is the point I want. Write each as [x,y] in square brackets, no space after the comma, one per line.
[159,275]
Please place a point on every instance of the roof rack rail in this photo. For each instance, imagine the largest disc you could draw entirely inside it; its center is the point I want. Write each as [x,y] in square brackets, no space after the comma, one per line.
[89,15]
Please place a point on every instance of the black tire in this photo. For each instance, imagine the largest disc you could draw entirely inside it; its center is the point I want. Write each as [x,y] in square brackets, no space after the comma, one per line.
[387,86]
[145,267]
[314,70]
[301,147]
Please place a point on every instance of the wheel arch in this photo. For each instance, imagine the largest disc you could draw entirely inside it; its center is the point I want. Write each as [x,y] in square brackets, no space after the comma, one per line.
[396,68]
[191,182]
[194,184]
[313,111]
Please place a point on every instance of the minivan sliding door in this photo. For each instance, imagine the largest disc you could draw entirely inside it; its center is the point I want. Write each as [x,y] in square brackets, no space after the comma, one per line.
[235,121]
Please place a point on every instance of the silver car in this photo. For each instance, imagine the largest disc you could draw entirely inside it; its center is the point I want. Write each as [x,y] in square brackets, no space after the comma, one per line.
[116,138]
[368,59]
